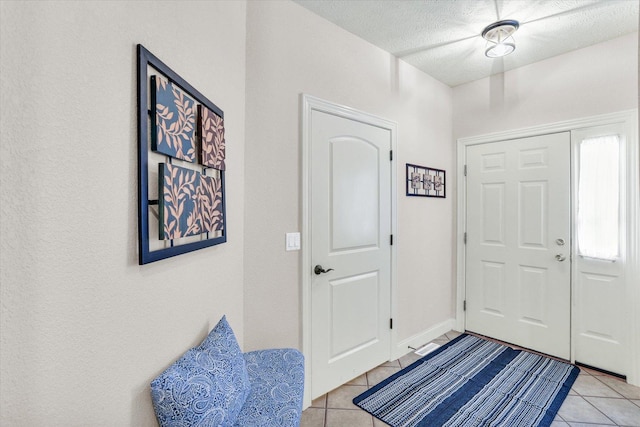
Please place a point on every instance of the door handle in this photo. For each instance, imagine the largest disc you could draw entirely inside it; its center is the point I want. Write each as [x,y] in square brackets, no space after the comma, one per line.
[560,257]
[319,270]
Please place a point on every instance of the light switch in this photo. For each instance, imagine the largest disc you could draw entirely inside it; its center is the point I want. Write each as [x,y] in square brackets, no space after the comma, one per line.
[292,242]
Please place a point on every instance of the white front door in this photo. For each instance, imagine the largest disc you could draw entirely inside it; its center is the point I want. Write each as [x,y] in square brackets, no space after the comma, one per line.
[350,238]
[518,242]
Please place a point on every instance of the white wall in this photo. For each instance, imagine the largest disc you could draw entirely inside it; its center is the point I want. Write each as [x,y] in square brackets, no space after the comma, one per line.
[292,51]
[84,328]
[598,79]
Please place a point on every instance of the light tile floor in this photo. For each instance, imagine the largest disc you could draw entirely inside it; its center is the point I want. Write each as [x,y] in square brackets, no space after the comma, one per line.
[595,399]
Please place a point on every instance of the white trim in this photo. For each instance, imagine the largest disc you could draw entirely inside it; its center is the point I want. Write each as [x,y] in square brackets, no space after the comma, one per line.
[630,119]
[461,228]
[564,126]
[421,338]
[633,247]
[308,104]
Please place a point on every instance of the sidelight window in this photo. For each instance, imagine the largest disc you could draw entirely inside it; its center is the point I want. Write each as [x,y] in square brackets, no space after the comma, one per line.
[598,222]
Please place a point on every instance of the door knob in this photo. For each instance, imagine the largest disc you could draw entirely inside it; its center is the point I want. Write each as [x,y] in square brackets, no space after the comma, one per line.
[319,270]
[560,257]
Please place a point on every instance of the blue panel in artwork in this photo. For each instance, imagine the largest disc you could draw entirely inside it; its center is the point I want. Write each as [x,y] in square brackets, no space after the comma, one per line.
[179,211]
[173,121]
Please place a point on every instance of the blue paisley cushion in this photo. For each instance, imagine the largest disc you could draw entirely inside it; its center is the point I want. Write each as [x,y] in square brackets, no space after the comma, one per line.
[207,386]
[277,388]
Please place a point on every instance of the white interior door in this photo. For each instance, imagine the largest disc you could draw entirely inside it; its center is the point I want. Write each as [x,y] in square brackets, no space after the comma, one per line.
[350,234]
[518,242]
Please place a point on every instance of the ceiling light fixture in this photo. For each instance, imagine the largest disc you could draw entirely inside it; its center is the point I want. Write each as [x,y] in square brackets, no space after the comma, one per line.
[499,36]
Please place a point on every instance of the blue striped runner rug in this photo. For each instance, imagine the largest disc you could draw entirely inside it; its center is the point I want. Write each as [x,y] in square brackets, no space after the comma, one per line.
[472,382]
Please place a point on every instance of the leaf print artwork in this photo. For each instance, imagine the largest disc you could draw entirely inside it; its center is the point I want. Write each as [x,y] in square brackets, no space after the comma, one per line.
[181,164]
[212,143]
[173,121]
[179,203]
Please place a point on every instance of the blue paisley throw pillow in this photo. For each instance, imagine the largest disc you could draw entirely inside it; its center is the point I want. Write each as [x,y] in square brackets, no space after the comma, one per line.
[207,386]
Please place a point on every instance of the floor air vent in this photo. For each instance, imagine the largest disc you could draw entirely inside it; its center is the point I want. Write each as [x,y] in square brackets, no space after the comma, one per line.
[426,349]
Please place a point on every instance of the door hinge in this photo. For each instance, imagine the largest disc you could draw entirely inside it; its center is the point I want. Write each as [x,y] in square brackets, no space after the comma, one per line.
[465,170]
[390,155]
[390,323]
[464,305]
[391,240]
[464,238]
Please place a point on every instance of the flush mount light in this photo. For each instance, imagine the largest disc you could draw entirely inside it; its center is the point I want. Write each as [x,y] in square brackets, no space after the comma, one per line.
[499,36]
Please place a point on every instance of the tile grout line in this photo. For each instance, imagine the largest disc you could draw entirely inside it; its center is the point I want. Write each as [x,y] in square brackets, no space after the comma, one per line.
[326,409]
[366,376]
[583,398]
[596,408]
[621,396]
[324,421]
[607,385]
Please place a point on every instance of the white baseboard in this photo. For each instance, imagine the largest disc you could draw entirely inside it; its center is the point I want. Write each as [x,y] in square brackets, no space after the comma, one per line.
[421,338]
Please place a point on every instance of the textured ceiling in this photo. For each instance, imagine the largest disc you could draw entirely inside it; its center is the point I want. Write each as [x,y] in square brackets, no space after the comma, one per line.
[442,37]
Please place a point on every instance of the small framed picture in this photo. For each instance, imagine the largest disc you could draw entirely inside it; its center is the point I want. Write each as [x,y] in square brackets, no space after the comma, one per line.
[415,180]
[423,181]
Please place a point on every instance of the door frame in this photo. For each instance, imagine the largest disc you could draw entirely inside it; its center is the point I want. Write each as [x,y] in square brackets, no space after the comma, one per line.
[308,105]
[629,119]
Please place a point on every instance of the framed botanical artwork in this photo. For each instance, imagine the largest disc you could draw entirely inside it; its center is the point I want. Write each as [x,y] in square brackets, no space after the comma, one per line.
[423,181]
[181,164]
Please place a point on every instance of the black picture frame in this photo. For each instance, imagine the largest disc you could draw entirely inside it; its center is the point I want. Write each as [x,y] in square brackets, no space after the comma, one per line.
[423,181]
[146,59]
